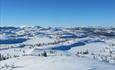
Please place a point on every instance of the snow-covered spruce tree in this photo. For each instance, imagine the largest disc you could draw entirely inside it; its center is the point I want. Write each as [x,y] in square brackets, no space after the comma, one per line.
[8,56]
[7,66]
[44,54]
[1,57]
[85,52]
[12,66]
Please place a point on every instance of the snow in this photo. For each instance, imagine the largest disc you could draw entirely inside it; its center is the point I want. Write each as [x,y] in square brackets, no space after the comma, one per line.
[58,63]
[36,40]
[92,47]
[84,53]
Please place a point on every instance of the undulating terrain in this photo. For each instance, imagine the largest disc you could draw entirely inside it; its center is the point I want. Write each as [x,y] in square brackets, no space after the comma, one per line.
[57,48]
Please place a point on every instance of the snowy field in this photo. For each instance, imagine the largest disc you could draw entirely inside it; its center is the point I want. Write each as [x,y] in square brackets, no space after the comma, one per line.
[38,48]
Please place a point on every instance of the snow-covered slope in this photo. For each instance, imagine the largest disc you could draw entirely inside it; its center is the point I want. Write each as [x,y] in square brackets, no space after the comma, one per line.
[56,63]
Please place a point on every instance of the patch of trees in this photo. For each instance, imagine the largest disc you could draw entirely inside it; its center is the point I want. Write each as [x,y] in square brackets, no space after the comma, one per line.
[9,66]
[82,52]
[3,57]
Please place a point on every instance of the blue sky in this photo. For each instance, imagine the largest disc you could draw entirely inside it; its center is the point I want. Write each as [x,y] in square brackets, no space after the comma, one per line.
[57,12]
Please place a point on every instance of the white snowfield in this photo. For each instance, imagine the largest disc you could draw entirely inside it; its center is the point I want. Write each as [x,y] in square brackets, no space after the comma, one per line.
[45,50]
[57,63]
[36,40]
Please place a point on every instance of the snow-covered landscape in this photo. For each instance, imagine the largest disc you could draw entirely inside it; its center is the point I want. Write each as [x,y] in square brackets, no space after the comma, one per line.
[57,48]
